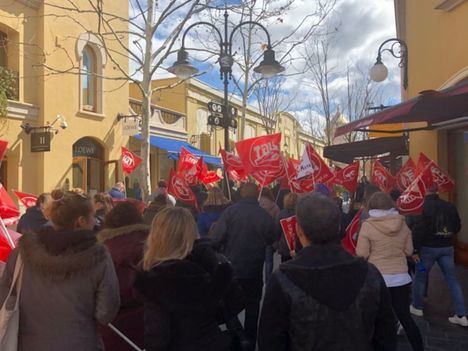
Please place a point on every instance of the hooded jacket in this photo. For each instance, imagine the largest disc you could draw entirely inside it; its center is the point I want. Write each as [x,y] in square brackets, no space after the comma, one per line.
[69,284]
[181,302]
[125,245]
[325,299]
[386,242]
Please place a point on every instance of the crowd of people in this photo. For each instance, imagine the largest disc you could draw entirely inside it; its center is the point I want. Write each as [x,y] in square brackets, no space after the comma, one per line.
[174,278]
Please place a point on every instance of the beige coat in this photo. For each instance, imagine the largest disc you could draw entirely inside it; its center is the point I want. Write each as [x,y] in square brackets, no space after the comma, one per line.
[386,242]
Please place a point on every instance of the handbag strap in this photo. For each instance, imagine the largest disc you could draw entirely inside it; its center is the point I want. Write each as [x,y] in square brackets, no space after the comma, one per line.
[17,277]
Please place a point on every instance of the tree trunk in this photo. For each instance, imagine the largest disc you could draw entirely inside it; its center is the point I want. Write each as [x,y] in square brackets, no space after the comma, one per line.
[146,105]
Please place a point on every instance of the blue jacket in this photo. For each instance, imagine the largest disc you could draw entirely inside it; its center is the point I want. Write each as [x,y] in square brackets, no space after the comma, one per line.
[116,194]
[204,222]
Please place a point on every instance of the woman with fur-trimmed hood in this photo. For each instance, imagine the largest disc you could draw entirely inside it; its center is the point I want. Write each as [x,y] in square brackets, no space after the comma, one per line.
[124,234]
[69,283]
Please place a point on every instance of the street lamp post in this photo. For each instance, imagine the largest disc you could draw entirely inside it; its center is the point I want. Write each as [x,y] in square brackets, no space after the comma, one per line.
[268,68]
[379,71]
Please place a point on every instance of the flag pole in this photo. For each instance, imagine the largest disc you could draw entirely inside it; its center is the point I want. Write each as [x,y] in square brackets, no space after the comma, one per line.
[5,233]
[260,193]
[119,333]
[228,186]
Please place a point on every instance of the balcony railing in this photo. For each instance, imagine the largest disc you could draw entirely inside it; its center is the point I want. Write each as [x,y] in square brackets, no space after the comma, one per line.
[169,117]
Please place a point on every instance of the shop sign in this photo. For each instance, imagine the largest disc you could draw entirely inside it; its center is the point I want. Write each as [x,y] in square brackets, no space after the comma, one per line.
[40,142]
[86,147]
[130,126]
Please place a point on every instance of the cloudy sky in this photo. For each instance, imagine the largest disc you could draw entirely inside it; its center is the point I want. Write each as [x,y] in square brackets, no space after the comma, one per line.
[358,27]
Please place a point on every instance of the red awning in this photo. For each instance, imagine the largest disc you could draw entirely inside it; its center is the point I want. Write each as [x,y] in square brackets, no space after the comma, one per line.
[430,106]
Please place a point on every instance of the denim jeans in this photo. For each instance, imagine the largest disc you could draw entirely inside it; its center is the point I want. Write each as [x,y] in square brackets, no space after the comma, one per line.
[444,258]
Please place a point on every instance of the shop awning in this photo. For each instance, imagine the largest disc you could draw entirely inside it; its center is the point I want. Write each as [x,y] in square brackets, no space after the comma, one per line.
[436,108]
[346,153]
[172,146]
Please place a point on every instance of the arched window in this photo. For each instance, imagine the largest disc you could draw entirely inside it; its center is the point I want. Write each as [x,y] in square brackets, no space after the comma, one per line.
[88,80]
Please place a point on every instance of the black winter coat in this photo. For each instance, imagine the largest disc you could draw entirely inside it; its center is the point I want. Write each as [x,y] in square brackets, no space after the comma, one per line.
[31,221]
[437,225]
[324,300]
[182,302]
[242,233]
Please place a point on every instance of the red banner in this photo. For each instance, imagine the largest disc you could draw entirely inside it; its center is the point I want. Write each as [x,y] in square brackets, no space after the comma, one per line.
[289,230]
[406,175]
[8,210]
[438,176]
[28,200]
[347,177]
[312,165]
[188,166]
[382,177]
[261,157]
[3,149]
[130,161]
[349,242]
[204,175]
[178,187]
[5,248]
[233,166]
[411,201]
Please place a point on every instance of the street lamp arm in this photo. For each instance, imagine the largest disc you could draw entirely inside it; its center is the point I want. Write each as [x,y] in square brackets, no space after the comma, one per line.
[249,22]
[198,24]
[392,50]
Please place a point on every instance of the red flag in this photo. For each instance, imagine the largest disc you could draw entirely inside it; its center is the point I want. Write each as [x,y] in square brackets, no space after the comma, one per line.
[438,176]
[406,175]
[28,200]
[178,187]
[261,157]
[348,176]
[233,165]
[3,149]
[130,161]
[8,209]
[349,242]
[5,248]
[204,175]
[411,201]
[298,186]
[382,177]
[289,230]
[424,171]
[187,160]
[313,165]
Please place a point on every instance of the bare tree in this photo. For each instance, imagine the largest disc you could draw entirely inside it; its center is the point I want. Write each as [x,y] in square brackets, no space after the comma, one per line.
[272,99]
[249,42]
[134,38]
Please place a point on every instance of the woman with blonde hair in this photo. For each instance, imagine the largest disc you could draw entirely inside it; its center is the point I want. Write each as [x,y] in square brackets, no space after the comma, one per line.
[182,285]
[213,206]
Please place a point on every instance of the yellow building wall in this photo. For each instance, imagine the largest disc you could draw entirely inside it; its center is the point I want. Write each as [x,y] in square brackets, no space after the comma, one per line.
[437,52]
[58,94]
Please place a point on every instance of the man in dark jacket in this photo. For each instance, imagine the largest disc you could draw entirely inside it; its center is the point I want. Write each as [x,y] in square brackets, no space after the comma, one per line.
[33,219]
[242,233]
[433,242]
[325,299]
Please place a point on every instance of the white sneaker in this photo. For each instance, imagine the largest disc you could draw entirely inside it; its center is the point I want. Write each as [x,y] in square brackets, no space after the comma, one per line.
[459,320]
[415,311]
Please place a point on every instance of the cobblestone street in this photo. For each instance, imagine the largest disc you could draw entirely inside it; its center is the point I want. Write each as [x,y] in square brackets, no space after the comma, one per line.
[437,332]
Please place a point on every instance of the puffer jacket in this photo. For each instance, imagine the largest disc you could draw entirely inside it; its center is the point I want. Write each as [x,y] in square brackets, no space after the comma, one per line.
[69,285]
[325,299]
[386,242]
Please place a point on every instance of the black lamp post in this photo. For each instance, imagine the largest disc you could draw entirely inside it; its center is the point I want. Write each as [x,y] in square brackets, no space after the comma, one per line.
[398,49]
[268,68]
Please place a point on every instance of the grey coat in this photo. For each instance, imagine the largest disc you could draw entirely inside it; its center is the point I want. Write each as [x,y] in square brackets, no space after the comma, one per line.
[69,284]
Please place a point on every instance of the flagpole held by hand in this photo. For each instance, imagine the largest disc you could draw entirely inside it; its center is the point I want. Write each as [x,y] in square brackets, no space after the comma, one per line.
[122,335]
[228,186]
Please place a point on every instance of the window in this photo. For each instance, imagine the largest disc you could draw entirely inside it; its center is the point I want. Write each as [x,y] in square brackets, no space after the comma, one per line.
[249,131]
[88,80]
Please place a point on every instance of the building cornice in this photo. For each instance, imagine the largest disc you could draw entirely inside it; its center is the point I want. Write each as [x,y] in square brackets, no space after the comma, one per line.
[449,5]
[22,110]
[34,4]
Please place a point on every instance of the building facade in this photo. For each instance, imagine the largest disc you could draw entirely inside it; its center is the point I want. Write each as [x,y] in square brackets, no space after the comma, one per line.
[62,70]
[436,33]
[188,102]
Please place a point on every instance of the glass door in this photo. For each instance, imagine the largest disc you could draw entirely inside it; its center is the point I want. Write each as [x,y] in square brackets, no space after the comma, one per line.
[79,170]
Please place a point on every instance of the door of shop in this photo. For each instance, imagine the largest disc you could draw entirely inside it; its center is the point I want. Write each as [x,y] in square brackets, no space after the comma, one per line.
[88,166]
